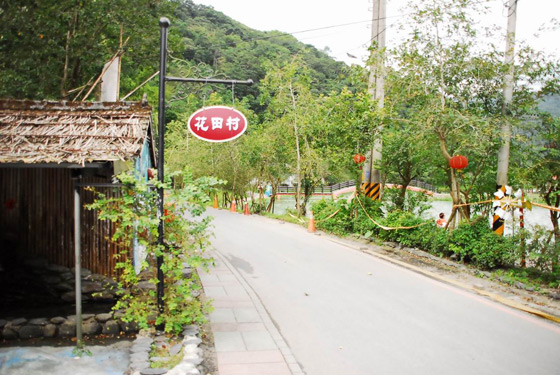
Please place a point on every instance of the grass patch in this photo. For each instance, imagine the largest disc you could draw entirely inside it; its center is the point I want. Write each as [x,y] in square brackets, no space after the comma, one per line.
[163,352]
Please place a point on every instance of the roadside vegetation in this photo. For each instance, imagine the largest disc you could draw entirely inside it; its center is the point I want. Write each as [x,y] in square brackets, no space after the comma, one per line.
[134,216]
[471,242]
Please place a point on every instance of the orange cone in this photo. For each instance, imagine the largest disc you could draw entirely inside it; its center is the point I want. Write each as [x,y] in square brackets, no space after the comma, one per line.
[215,201]
[232,208]
[311,226]
[247,209]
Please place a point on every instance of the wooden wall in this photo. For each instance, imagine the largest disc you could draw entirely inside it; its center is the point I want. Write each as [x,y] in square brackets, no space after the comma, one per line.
[37,220]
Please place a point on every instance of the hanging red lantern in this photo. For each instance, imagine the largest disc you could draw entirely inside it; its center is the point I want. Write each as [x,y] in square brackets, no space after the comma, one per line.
[359,159]
[459,162]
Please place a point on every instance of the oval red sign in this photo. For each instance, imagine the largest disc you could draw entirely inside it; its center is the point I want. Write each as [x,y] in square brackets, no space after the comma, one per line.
[217,124]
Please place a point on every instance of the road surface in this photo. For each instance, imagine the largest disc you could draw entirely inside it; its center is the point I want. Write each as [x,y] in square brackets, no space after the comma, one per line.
[345,312]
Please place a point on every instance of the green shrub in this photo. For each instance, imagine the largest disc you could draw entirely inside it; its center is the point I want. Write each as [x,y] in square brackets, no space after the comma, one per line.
[407,237]
[340,223]
[475,243]
[542,252]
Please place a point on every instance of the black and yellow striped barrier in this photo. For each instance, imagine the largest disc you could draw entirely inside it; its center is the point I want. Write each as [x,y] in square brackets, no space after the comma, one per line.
[501,205]
[372,190]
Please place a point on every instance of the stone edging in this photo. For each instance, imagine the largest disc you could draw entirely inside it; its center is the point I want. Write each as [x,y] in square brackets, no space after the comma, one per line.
[106,323]
[140,360]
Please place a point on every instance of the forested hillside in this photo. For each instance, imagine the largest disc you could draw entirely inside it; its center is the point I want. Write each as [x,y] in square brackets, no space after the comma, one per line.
[50,48]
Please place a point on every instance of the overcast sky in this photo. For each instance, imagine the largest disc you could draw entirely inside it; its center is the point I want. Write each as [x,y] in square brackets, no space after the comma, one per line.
[293,16]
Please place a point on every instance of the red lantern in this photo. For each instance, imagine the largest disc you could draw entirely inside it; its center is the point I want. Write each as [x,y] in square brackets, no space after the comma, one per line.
[359,159]
[459,162]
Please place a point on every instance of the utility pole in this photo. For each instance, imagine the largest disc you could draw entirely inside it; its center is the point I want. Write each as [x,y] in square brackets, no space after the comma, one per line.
[503,154]
[371,177]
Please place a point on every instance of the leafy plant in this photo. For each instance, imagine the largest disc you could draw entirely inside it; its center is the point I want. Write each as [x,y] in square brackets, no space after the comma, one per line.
[475,242]
[134,213]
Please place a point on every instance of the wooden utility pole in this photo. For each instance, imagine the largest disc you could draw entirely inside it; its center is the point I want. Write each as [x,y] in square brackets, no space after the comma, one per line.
[503,154]
[371,177]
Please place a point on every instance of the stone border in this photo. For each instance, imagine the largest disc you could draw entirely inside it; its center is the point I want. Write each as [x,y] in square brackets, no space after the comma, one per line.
[106,323]
[140,360]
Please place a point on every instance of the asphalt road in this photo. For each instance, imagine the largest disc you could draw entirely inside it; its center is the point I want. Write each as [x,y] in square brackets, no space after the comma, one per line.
[345,312]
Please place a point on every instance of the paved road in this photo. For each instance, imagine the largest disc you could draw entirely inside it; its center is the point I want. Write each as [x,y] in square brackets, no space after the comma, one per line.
[345,312]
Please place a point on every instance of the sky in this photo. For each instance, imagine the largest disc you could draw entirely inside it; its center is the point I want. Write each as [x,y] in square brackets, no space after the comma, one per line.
[295,16]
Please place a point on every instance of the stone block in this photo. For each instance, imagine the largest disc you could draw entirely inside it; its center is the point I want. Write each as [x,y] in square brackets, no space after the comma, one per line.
[140,356]
[91,328]
[154,371]
[182,369]
[140,348]
[146,285]
[39,321]
[102,296]
[175,349]
[69,296]
[91,287]
[58,320]
[96,277]
[30,332]
[3,323]
[139,365]
[67,329]
[18,322]
[192,358]
[67,276]
[50,330]
[192,340]
[103,317]
[128,326]
[111,327]
[143,340]
[9,333]
[83,271]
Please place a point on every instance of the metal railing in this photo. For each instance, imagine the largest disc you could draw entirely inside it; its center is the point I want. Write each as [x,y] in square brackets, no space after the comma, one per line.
[329,189]
[323,189]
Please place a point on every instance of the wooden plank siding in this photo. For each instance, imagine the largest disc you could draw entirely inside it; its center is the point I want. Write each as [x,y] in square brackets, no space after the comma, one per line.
[41,223]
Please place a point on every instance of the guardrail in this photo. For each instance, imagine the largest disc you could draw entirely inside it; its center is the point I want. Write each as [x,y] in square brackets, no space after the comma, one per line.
[329,189]
[323,189]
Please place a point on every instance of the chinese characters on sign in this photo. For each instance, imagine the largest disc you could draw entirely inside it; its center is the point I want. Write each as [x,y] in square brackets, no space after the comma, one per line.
[217,124]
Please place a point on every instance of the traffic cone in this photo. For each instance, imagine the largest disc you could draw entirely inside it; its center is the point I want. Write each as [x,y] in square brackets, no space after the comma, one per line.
[311,226]
[215,201]
[247,209]
[232,208]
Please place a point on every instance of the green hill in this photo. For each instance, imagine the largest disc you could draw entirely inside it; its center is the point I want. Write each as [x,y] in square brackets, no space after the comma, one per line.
[52,47]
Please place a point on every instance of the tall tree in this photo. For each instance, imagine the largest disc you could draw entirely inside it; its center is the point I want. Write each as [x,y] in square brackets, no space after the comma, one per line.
[48,48]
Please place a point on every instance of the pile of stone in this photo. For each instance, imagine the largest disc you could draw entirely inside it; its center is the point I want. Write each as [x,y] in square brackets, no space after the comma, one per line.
[60,281]
[106,323]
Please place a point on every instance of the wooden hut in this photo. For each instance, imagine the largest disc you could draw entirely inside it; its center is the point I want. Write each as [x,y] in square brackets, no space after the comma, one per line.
[44,145]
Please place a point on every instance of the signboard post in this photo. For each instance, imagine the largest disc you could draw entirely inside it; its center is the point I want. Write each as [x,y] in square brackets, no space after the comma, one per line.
[163,78]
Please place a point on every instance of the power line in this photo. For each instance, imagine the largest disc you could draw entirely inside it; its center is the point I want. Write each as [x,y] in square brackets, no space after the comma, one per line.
[324,27]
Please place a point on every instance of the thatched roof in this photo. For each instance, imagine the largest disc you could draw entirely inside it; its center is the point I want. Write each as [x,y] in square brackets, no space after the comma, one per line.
[72,132]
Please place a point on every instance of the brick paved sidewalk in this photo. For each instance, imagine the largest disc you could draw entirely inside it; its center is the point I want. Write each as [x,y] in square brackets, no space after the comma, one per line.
[246,340]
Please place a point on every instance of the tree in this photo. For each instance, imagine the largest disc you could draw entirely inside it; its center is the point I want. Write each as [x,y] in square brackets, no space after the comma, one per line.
[286,92]
[52,48]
